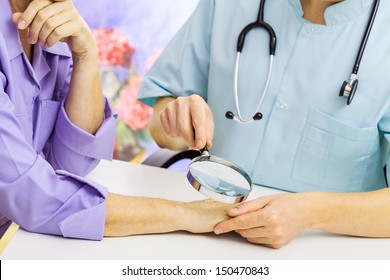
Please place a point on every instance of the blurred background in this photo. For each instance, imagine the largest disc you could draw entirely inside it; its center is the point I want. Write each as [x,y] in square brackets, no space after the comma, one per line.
[131,34]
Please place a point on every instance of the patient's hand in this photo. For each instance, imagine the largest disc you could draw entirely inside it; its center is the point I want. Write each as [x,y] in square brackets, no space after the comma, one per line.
[202,216]
[50,21]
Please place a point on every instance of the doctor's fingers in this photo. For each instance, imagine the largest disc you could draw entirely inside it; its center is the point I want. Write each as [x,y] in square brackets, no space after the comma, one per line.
[175,119]
[187,117]
[265,236]
[210,126]
[247,221]
[267,242]
[185,129]
[201,124]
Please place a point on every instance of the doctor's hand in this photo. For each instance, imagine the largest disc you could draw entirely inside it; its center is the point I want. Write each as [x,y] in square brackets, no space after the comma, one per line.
[271,221]
[189,118]
[51,21]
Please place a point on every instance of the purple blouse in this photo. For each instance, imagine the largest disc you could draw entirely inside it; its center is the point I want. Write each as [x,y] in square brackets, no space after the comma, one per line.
[43,155]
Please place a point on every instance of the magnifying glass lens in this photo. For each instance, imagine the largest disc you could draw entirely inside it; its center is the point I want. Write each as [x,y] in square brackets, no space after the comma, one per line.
[219,181]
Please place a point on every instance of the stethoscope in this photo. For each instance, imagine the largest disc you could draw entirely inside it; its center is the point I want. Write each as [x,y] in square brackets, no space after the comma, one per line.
[348,89]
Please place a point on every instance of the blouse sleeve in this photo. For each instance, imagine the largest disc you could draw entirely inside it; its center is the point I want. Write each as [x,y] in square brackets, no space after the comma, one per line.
[36,197]
[75,150]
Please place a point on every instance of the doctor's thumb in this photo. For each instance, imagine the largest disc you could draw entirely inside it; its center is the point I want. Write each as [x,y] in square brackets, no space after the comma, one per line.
[243,208]
[237,211]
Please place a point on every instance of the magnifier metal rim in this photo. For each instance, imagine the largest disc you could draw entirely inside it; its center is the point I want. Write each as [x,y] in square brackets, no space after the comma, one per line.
[210,193]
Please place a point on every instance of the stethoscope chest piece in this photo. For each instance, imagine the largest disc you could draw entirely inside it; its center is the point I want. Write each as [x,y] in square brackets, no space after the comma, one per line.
[349,89]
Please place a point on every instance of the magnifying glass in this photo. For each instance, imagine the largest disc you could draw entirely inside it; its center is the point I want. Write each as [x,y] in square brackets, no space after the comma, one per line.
[219,179]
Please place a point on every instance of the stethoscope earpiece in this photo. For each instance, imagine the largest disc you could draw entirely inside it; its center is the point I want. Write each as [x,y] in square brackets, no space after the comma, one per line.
[229,115]
[258,116]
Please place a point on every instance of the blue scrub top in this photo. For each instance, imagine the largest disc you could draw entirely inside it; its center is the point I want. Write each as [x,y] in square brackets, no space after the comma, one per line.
[308,139]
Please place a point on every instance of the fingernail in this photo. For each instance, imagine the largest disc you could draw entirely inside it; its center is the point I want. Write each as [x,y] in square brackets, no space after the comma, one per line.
[199,144]
[21,24]
[234,210]
[218,231]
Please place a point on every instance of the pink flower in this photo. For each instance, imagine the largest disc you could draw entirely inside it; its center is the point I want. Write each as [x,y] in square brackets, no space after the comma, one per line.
[114,47]
[132,112]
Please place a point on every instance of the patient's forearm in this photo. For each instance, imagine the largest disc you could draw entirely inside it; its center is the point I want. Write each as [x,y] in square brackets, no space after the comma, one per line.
[140,215]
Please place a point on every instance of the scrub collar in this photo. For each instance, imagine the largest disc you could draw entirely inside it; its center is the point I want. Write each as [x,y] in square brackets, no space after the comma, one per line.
[340,12]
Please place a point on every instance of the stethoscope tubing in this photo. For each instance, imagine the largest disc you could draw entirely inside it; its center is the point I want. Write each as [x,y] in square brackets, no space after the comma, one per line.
[347,89]
[363,44]
[239,118]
